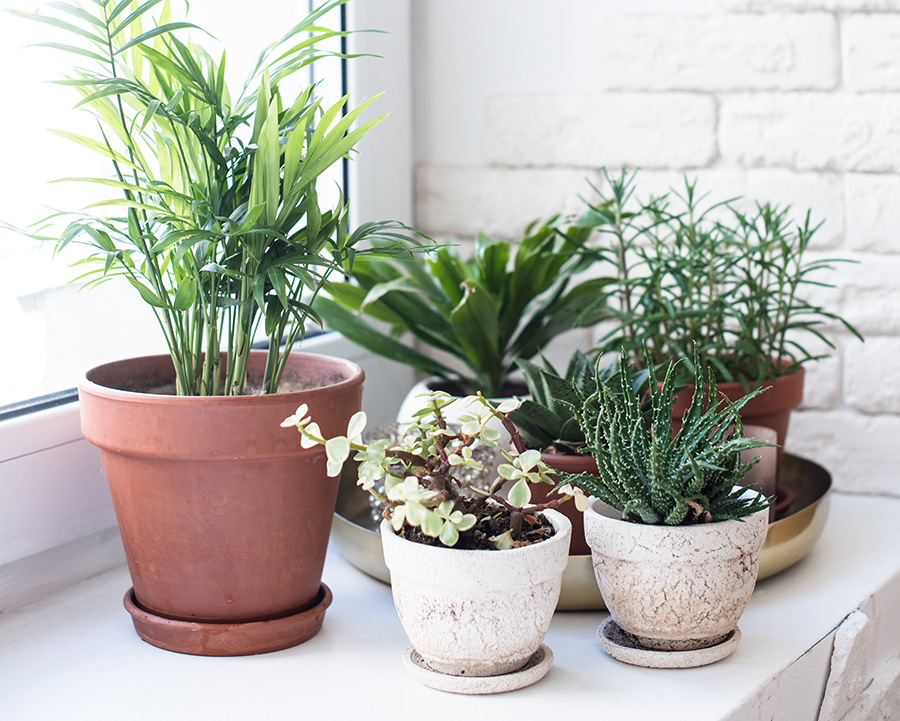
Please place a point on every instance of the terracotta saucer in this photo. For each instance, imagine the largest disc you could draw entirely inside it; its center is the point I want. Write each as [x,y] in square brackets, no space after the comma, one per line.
[622,648]
[229,639]
[532,672]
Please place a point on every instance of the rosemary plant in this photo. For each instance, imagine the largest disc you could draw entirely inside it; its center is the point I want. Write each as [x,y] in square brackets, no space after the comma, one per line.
[217,222]
[685,278]
[655,475]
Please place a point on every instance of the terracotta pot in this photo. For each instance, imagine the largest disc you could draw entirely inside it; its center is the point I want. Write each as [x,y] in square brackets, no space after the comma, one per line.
[675,588]
[771,409]
[763,475]
[224,518]
[540,492]
[476,613]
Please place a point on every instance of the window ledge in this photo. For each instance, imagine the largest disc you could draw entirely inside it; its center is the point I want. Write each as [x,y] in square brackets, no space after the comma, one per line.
[75,655]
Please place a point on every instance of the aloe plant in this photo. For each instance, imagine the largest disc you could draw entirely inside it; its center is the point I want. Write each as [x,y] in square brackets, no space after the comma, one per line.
[503,303]
[216,220]
[654,474]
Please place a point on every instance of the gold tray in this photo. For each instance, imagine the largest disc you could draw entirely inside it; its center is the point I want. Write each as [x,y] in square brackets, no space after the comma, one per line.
[789,538]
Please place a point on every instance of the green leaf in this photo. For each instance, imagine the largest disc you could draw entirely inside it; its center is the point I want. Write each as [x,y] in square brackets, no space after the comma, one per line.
[520,494]
[186,294]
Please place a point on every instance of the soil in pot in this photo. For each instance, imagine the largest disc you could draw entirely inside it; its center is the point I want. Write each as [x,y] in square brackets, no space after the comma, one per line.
[535,528]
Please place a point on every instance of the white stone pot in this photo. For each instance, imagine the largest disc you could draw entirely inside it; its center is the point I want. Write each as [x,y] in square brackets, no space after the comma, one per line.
[674,588]
[476,613]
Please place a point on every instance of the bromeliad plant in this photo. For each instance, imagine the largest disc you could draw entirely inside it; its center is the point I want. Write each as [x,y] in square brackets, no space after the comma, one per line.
[689,274]
[424,475]
[504,303]
[216,221]
[653,474]
[547,419]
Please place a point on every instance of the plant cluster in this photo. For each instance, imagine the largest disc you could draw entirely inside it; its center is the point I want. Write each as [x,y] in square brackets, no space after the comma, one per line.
[422,474]
[688,275]
[547,419]
[657,474]
[220,227]
[505,302]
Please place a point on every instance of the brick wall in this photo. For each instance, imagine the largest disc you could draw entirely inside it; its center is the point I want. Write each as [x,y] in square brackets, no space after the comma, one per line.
[798,102]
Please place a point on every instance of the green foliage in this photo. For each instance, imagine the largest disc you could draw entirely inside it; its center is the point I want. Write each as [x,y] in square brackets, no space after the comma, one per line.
[215,220]
[423,472]
[730,287]
[504,303]
[654,475]
[547,417]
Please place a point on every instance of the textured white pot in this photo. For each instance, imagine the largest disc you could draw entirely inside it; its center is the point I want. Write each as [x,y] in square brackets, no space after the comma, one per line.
[476,613]
[674,588]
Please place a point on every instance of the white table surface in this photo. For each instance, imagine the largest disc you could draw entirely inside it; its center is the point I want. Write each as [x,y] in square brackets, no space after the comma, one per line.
[76,656]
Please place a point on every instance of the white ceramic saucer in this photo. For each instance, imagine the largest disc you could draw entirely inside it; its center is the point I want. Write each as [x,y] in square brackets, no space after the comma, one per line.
[532,672]
[622,648]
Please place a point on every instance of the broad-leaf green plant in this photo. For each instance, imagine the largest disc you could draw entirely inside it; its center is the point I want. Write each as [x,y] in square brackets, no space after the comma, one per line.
[216,219]
[423,474]
[505,302]
[686,274]
[656,474]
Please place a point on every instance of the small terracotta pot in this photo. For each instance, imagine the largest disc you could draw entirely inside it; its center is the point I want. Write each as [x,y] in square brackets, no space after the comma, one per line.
[476,613]
[675,588]
[764,474]
[541,492]
[771,408]
[224,518]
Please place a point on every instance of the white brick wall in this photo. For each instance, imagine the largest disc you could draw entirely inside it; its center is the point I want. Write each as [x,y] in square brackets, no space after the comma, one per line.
[791,101]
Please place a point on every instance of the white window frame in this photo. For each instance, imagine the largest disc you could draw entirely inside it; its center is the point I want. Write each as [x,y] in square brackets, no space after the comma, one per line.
[57,525]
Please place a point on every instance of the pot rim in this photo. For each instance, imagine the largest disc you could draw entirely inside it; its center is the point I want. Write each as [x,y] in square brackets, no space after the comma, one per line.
[350,371]
[660,528]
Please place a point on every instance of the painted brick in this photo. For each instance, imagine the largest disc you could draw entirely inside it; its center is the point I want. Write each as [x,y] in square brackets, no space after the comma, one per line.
[717,52]
[858,450]
[849,672]
[810,5]
[812,131]
[668,130]
[871,372]
[871,44]
[498,201]
[880,701]
[873,213]
[868,294]
[822,387]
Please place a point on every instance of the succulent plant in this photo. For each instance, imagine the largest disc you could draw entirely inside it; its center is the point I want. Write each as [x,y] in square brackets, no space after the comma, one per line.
[423,473]
[655,472]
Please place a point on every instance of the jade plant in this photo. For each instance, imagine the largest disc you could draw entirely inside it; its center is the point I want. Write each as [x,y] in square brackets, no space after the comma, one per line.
[688,273]
[654,471]
[214,215]
[546,419]
[424,479]
[504,302]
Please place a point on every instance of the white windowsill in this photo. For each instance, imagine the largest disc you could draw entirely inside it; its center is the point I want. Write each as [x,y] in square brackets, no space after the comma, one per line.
[75,655]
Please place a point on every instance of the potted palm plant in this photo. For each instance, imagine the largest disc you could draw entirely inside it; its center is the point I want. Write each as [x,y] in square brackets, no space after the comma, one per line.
[475,573]
[217,224]
[674,537]
[690,274]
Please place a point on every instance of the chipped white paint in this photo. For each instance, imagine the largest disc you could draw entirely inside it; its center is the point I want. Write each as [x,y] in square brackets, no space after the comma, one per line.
[674,587]
[849,668]
[476,613]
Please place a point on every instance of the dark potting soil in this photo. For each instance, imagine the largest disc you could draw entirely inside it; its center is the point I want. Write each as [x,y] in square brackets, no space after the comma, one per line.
[535,528]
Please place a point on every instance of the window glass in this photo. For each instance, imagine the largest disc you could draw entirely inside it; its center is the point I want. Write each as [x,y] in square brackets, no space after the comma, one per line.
[53,331]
